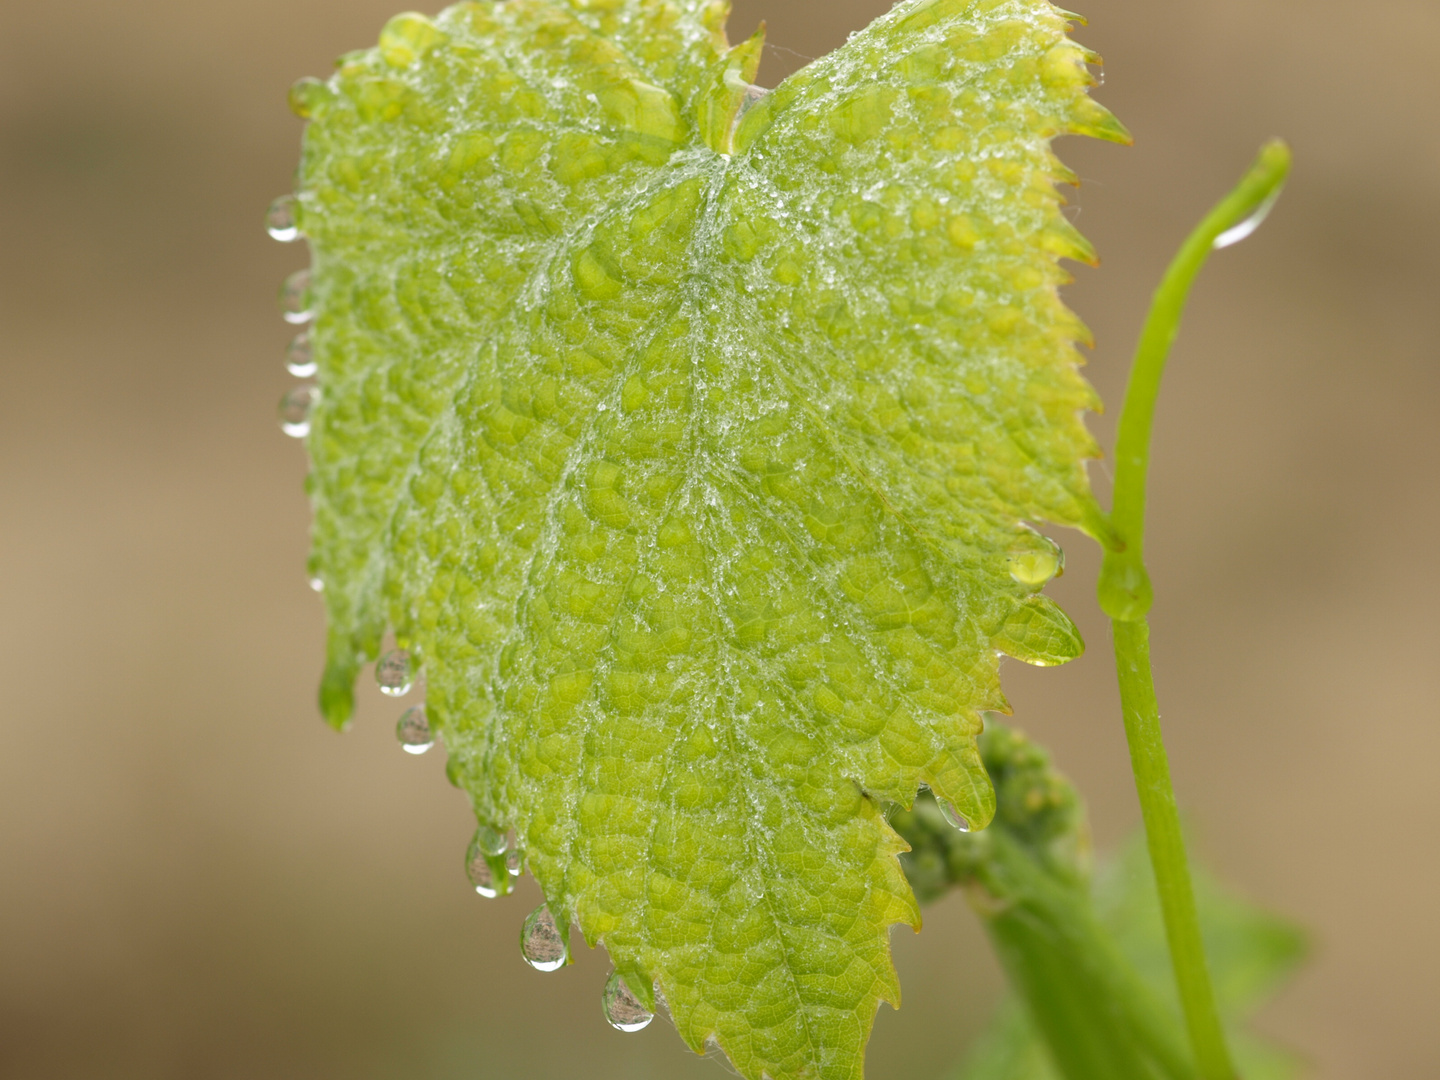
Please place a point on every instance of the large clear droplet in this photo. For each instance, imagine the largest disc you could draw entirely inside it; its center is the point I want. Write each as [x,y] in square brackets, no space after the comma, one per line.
[280,220]
[414,732]
[954,817]
[1034,566]
[300,356]
[295,298]
[622,1008]
[295,409]
[481,873]
[541,942]
[392,672]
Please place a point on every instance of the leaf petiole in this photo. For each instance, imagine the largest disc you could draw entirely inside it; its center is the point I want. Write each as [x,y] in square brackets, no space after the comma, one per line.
[1125,595]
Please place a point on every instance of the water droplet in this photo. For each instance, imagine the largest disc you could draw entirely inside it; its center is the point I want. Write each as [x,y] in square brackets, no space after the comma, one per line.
[308,97]
[392,672]
[622,1008]
[317,583]
[954,817]
[280,221]
[295,298]
[542,943]
[1236,233]
[1036,565]
[295,409]
[514,862]
[300,356]
[481,873]
[413,731]
[491,841]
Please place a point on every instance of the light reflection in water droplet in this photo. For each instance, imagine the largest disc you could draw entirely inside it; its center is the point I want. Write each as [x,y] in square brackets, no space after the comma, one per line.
[953,816]
[300,356]
[1036,566]
[413,731]
[480,872]
[295,409]
[295,298]
[280,220]
[514,862]
[622,1008]
[1236,233]
[318,584]
[392,672]
[491,841]
[542,943]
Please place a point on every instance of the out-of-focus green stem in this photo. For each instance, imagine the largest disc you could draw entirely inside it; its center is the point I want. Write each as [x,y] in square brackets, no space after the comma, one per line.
[1100,1019]
[1027,877]
[1126,595]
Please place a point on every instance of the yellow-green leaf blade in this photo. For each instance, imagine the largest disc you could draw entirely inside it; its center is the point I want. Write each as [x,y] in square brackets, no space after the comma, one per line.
[696,480]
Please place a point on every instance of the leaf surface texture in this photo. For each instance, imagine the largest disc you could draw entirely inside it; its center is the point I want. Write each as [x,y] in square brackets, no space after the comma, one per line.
[686,437]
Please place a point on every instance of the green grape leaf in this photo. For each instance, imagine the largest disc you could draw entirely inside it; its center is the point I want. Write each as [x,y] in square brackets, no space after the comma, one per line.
[686,438]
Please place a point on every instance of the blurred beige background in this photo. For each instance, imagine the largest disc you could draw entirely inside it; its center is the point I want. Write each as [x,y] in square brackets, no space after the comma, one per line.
[198,880]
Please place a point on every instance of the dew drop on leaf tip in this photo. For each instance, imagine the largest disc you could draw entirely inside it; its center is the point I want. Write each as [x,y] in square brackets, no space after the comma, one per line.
[623,1010]
[300,356]
[295,298]
[491,841]
[954,817]
[295,409]
[280,220]
[481,873]
[542,943]
[514,863]
[413,731]
[392,672]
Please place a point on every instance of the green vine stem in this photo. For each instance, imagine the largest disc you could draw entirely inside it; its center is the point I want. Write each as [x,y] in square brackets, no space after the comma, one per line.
[1126,595]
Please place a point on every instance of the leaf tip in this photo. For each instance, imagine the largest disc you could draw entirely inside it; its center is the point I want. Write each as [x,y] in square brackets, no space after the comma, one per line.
[337,693]
[1093,119]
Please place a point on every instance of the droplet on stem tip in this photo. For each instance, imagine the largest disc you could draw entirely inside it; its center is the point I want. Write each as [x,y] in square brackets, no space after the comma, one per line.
[1236,233]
